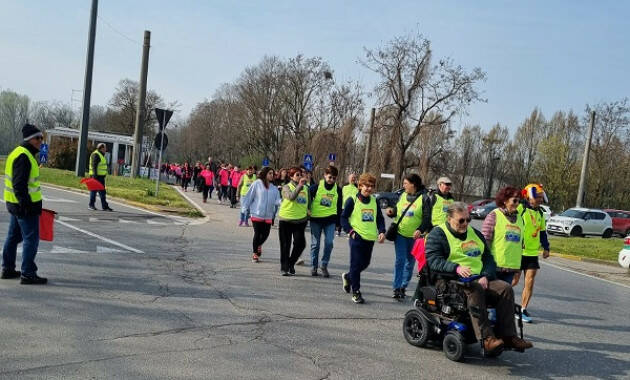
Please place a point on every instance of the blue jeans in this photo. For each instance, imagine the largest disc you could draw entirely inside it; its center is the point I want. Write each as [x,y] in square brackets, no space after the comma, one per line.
[403,266]
[24,230]
[316,234]
[101,193]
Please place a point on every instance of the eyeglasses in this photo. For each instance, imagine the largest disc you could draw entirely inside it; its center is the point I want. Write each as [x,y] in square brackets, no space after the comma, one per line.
[464,220]
[447,184]
[39,137]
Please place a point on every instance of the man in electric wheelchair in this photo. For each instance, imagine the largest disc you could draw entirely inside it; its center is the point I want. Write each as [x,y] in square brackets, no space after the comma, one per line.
[455,288]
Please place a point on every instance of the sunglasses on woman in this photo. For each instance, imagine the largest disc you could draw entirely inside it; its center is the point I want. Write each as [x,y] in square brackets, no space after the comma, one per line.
[464,220]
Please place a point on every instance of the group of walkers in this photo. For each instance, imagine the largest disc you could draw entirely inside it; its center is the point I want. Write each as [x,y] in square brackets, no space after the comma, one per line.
[514,232]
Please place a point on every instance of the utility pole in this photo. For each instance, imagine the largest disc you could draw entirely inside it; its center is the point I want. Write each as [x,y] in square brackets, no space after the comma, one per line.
[587,150]
[136,160]
[366,158]
[87,93]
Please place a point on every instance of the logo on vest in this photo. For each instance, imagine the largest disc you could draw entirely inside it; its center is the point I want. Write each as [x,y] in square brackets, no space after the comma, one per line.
[471,249]
[512,234]
[367,215]
[301,199]
[326,200]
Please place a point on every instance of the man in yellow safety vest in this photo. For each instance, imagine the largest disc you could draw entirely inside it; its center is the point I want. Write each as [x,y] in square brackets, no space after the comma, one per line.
[23,198]
[98,171]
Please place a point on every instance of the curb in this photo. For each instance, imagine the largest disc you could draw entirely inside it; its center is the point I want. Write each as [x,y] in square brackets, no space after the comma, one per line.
[206,218]
[584,259]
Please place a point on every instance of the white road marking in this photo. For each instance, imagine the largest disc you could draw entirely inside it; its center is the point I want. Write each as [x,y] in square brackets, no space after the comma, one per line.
[151,221]
[101,249]
[110,241]
[93,219]
[125,221]
[584,274]
[122,204]
[58,249]
[58,200]
[67,219]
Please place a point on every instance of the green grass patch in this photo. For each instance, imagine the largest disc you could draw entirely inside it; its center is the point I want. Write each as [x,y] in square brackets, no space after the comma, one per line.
[136,190]
[593,247]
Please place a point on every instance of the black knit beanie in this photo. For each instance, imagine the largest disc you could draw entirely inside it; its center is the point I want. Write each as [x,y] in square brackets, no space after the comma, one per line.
[30,131]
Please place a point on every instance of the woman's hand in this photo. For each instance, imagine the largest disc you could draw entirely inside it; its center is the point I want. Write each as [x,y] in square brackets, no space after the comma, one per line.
[381,238]
[390,212]
[417,235]
[463,271]
[483,281]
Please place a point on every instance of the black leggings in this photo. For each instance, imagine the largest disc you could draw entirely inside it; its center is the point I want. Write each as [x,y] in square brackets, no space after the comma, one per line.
[261,233]
[207,191]
[287,232]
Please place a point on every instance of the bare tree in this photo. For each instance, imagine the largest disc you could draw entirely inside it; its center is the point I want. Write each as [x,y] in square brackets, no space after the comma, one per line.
[420,94]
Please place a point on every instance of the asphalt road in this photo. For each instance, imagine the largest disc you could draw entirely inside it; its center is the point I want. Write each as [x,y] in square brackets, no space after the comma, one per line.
[156,297]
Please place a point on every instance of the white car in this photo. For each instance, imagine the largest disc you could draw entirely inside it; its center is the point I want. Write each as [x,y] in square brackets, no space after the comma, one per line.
[581,222]
[624,254]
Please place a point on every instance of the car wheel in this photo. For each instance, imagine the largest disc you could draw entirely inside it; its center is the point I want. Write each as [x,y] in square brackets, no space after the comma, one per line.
[607,234]
[383,203]
[576,231]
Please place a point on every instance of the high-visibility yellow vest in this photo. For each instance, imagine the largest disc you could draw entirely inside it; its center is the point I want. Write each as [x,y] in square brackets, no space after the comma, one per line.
[534,223]
[325,201]
[363,219]
[296,209]
[507,241]
[348,191]
[101,168]
[247,182]
[468,252]
[438,213]
[413,217]
[34,189]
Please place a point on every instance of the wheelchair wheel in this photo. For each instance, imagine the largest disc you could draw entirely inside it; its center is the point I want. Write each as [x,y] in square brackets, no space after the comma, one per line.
[415,328]
[454,346]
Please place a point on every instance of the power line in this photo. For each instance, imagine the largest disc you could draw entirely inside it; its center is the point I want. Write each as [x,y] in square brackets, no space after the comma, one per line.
[118,31]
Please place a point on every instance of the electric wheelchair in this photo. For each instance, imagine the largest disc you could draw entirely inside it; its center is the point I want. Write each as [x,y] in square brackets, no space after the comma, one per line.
[441,317]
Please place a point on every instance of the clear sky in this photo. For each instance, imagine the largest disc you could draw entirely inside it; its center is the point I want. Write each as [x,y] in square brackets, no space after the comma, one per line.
[557,55]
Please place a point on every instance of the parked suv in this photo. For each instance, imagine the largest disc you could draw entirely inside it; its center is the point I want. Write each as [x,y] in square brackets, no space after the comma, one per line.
[386,199]
[581,222]
[620,221]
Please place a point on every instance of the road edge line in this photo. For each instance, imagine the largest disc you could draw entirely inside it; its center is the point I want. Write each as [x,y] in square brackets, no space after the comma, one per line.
[585,274]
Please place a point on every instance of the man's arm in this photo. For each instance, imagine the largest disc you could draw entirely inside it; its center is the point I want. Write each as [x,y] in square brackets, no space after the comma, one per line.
[437,251]
[348,208]
[21,173]
[95,160]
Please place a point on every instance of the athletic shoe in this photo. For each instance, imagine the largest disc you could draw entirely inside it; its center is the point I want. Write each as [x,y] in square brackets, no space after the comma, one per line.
[402,292]
[292,271]
[285,273]
[218,201]
[8,274]
[92,208]
[246,224]
[255,258]
[33,280]
[314,272]
[259,250]
[299,262]
[325,272]
[357,298]
[526,317]
[396,294]
[108,209]
[240,224]
[345,283]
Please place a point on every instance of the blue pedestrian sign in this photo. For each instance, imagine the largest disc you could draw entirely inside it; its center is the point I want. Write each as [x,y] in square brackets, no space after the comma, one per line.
[308,159]
[332,157]
[43,153]
[308,166]
[265,162]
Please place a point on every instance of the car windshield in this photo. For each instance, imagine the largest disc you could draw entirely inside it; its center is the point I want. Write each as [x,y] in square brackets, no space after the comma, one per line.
[570,213]
[490,206]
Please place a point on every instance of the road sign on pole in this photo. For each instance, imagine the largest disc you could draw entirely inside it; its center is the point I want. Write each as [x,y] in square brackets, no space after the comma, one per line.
[43,153]
[163,117]
[265,162]
[332,157]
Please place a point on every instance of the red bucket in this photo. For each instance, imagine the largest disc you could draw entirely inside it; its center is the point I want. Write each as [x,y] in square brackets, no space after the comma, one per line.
[46,225]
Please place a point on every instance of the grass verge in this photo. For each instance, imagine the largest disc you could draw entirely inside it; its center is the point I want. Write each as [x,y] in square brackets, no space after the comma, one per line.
[136,191]
[594,248]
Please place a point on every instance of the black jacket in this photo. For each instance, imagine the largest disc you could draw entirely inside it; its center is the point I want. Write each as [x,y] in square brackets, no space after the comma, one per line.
[333,218]
[437,251]
[21,172]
